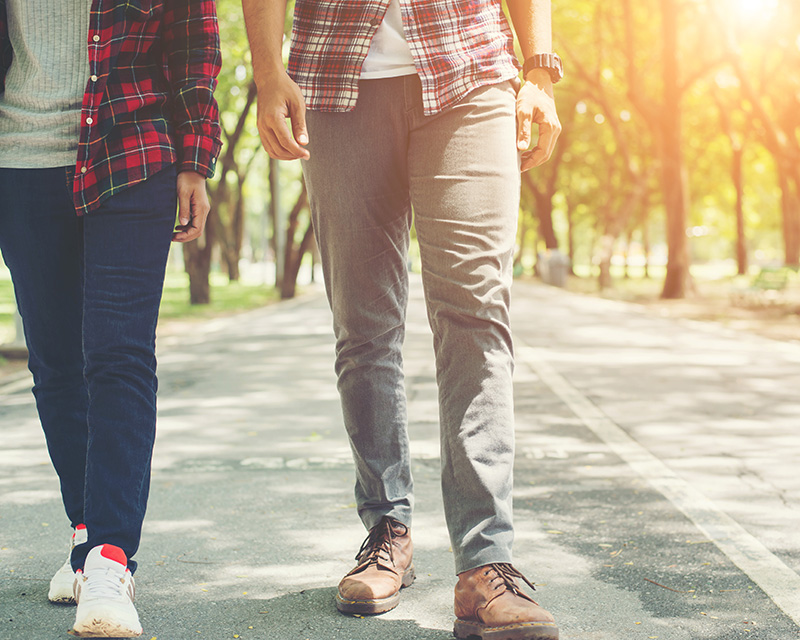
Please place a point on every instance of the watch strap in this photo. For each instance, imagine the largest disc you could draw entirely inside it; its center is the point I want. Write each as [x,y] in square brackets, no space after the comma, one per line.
[549,61]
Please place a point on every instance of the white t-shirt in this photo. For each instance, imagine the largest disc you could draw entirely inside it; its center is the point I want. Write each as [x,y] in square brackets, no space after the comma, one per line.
[389,54]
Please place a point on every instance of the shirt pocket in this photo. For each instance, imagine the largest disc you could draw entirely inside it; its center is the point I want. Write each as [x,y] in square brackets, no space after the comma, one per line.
[141,7]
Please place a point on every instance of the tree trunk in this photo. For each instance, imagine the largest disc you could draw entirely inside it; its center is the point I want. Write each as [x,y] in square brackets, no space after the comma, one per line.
[646,244]
[278,246]
[289,285]
[629,238]
[523,231]
[738,183]
[790,207]
[237,231]
[293,256]
[229,251]
[606,251]
[544,214]
[197,262]
[674,178]
[570,238]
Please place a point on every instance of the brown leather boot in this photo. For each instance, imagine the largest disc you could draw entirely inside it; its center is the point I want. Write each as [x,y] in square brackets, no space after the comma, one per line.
[384,567]
[491,605]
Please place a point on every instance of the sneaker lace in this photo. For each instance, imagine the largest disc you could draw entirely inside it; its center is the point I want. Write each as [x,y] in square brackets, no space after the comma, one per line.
[505,576]
[378,544]
[104,583]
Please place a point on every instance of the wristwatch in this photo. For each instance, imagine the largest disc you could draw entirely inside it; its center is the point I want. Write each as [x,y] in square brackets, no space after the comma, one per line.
[548,61]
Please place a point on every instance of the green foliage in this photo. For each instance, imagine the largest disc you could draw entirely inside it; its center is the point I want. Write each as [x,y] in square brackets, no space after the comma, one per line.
[607,140]
[605,131]
[7,307]
[226,297]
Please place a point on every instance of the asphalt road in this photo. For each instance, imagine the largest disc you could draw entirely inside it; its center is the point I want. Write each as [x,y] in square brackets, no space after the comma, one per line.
[656,484]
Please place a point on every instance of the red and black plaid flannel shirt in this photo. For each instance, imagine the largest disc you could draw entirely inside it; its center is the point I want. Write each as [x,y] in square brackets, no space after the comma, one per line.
[458,45]
[149,98]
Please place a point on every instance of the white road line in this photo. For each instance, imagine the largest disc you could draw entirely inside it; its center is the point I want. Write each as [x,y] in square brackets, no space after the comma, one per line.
[777,580]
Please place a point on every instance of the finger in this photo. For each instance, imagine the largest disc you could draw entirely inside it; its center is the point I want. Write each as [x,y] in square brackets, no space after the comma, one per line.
[190,231]
[524,119]
[269,140]
[548,134]
[276,151]
[184,206]
[182,236]
[266,142]
[270,144]
[530,159]
[287,141]
[298,115]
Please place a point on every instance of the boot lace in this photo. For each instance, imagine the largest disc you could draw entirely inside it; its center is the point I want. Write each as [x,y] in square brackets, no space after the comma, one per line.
[378,544]
[505,576]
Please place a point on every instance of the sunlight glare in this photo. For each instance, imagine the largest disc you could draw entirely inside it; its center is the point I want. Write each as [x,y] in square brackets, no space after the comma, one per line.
[753,10]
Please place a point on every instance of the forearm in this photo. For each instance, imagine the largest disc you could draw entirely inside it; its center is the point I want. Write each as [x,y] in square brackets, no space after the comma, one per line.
[535,102]
[264,20]
[190,41]
[532,25]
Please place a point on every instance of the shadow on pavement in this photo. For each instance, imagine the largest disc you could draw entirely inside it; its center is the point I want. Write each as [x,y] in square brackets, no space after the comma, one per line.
[307,615]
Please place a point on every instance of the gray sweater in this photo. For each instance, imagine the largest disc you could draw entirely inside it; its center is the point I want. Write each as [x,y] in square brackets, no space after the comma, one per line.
[41,107]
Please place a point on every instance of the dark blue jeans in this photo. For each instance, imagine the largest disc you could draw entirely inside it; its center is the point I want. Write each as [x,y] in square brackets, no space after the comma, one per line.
[88,290]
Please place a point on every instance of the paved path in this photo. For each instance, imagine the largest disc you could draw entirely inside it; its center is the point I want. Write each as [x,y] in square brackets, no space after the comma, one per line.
[656,485]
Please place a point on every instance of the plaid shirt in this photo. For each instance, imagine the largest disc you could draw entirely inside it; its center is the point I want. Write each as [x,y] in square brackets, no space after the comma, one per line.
[148,101]
[458,45]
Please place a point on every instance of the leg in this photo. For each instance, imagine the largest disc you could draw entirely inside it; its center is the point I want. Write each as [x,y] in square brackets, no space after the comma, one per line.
[358,191]
[126,245]
[41,241]
[358,187]
[465,182]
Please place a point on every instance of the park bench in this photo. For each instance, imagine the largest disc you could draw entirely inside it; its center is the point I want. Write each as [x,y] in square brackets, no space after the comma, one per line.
[766,287]
[771,279]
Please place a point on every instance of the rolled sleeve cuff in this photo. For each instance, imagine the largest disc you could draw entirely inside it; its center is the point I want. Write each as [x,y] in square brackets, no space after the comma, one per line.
[199,153]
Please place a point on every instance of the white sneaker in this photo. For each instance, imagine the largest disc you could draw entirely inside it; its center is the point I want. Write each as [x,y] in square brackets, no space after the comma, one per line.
[104,591]
[62,582]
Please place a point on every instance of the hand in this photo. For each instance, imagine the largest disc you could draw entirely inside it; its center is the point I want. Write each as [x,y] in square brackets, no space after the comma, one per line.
[193,206]
[280,98]
[535,104]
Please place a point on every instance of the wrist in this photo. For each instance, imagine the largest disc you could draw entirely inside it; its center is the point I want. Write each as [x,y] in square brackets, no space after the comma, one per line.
[539,77]
[267,75]
[549,62]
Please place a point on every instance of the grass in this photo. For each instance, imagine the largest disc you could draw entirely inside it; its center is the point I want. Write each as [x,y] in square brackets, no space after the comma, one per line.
[226,298]
[7,308]
[712,280]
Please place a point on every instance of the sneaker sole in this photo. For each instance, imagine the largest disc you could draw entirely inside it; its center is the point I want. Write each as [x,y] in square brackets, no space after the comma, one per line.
[373,607]
[60,591]
[522,631]
[61,599]
[99,628]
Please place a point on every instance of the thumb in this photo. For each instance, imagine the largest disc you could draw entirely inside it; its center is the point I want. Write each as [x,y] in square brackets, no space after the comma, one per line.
[184,206]
[523,130]
[299,129]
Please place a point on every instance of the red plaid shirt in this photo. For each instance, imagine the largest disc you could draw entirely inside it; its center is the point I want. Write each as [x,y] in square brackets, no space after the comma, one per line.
[458,45]
[148,101]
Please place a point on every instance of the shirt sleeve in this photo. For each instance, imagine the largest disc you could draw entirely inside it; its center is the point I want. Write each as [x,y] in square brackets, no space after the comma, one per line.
[192,63]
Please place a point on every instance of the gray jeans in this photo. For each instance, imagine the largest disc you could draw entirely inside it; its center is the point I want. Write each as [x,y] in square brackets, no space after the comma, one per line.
[459,170]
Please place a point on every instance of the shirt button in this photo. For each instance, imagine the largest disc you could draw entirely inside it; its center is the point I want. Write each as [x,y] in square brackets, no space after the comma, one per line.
[375,22]
[89,121]
[93,78]
[96,38]
[84,169]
